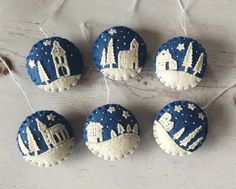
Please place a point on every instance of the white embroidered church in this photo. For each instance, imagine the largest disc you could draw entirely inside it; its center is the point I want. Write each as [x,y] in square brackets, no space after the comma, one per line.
[60,60]
[53,136]
[94,132]
[127,59]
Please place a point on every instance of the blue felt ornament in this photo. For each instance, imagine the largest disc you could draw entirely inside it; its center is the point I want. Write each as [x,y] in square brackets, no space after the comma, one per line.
[119,53]
[111,132]
[45,138]
[54,64]
[180,63]
[180,127]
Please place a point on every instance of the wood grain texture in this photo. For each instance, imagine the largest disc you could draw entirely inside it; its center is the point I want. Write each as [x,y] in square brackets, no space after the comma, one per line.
[212,166]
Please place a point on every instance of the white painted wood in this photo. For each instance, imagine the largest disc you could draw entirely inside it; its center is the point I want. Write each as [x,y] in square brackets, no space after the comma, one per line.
[212,166]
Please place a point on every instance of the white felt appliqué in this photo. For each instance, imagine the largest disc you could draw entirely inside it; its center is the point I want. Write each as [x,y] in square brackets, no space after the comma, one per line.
[117,147]
[128,65]
[111,132]
[37,134]
[179,65]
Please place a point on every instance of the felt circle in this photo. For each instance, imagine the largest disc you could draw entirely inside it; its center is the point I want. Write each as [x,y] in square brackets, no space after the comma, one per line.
[180,127]
[54,64]
[119,53]
[180,63]
[111,132]
[45,138]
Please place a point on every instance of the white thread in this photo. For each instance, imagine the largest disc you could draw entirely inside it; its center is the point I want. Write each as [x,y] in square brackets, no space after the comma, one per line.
[85,32]
[17,83]
[218,96]
[131,9]
[183,16]
[56,5]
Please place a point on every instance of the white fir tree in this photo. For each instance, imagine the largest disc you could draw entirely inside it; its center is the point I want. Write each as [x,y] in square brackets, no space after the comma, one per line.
[113,134]
[103,60]
[22,146]
[128,128]
[188,59]
[33,147]
[42,74]
[110,54]
[135,129]
[198,67]
[120,129]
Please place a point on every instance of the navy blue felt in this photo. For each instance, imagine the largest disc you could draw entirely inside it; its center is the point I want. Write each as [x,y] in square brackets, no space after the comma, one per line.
[179,55]
[43,53]
[121,41]
[186,118]
[109,120]
[30,122]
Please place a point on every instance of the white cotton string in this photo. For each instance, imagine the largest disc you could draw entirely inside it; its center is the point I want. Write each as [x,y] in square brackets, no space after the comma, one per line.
[131,9]
[218,96]
[85,32]
[183,15]
[56,5]
[17,83]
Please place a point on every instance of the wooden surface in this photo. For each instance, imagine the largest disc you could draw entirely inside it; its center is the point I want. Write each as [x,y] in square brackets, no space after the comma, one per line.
[210,22]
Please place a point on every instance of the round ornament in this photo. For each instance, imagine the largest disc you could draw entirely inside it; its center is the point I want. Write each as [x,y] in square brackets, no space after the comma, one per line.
[45,138]
[119,53]
[111,132]
[180,63]
[54,64]
[180,128]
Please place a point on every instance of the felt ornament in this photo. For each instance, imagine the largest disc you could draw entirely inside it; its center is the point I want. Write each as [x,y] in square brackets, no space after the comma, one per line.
[119,53]
[45,138]
[54,64]
[180,128]
[111,132]
[180,63]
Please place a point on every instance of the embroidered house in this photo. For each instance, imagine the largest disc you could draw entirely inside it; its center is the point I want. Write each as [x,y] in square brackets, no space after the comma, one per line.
[129,59]
[60,60]
[54,135]
[94,132]
[165,121]
[164,61]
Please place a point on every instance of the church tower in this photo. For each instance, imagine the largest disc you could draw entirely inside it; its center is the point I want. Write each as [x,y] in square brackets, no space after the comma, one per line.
[60,60]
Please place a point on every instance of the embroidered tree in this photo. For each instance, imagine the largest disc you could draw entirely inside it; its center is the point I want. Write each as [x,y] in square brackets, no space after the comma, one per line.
[110,54]
[113,134]
[42,74]
[188,59]
[128,129]
[198,67]
[120,129]
[22,146]
[135,129]
[103,60]
[33,147]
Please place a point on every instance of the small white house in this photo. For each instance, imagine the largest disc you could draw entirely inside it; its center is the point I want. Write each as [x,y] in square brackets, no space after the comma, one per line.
[164,61]
[94,132]
[165,121]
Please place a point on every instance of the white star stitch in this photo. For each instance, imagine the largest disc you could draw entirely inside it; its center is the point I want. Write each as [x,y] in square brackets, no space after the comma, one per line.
[112,31]
[191,106]
[51,117]
[125,114]
[111,109]
[32,63]
[201,116]
[47,42]
[180,47]
[178,108]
